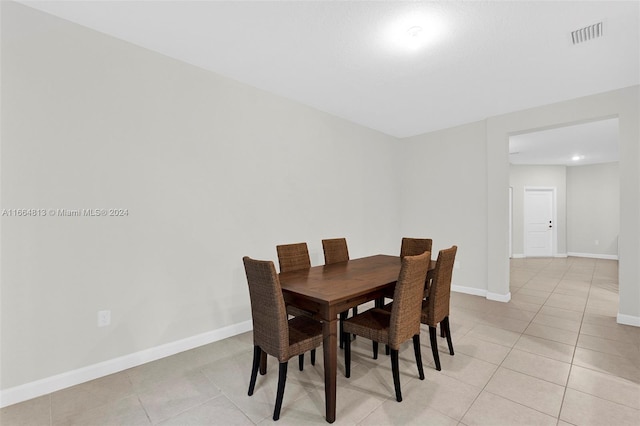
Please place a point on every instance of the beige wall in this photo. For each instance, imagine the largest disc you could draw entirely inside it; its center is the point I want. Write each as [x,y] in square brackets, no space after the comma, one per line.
[443,187]
[209,169]
[593,209]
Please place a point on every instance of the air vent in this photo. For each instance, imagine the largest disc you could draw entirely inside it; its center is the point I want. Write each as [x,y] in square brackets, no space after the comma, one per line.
[587,33]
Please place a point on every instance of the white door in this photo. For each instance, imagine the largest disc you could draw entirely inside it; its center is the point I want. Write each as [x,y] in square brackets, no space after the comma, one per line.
[538,222]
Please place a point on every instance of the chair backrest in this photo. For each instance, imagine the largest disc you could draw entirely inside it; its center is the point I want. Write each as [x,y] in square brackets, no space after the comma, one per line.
[292,257]
[407,299]
[335,250]
[415,246]
[270,326]
[440,290]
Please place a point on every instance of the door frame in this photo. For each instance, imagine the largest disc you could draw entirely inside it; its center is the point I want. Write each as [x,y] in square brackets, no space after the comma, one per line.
[511,222]
[554,217]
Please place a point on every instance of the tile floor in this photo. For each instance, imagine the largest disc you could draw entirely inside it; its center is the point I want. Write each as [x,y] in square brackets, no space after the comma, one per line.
[553,355]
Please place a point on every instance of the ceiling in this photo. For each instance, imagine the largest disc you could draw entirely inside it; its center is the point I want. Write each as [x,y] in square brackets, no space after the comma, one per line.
[352,59]
[577,145]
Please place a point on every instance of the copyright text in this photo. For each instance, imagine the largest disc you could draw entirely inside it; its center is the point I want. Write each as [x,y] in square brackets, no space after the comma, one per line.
[65,212]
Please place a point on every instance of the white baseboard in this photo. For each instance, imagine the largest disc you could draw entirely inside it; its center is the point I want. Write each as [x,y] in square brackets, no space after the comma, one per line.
[469,290]
[628,320]
[594,256]
[47,385]
[481,292]
[499,297]
[563,255]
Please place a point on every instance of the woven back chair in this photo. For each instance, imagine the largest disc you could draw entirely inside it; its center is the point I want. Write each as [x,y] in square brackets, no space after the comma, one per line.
[335,250]
[273,334]
[415,246]
[409,247]
[293,257]
[435,309]
[400,324]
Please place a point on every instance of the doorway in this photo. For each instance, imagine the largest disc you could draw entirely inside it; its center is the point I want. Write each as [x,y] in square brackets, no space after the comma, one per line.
[539,222]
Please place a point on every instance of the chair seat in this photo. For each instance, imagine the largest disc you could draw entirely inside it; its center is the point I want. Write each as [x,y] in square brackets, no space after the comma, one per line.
[304,334]
[372,324]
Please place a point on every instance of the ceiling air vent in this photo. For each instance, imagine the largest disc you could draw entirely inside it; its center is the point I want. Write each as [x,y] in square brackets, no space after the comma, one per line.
[587,33]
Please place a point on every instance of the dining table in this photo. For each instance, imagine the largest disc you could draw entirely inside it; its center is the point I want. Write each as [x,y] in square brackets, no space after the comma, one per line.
[327,290]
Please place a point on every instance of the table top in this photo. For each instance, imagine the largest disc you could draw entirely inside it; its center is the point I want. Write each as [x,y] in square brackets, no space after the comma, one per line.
[331,284]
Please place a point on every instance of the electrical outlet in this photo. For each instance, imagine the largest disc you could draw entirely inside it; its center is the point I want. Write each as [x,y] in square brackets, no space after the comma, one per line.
[104,318]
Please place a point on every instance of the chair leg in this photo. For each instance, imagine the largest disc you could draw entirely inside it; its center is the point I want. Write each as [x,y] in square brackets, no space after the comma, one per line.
[386,349]
[354,313]
[416,350]
[343,316]
[447,330]
[434,346]
[263,363]
[282,379]
[442,332]
[347,358]
[257,355]
[301,362]
[396,374]
[375,349]
[313,357]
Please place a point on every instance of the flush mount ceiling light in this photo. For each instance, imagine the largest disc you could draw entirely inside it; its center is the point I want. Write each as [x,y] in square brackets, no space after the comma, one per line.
[413,31]
[414,37]
[577,157]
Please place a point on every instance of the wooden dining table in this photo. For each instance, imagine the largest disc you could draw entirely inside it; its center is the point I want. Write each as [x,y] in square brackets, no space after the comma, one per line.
[328,290]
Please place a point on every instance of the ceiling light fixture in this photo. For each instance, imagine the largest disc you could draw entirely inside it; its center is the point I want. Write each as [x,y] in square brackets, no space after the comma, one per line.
[577,157]
[414,37]
[414,31]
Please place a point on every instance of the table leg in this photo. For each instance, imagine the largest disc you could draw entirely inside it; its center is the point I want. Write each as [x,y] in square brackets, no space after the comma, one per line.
[329,344]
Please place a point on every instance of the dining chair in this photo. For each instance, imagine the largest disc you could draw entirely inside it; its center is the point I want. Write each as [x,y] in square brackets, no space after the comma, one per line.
[409,247]
[273,333]
[336,251]
[435,308]
[293,257]
[414,246]
[398,325]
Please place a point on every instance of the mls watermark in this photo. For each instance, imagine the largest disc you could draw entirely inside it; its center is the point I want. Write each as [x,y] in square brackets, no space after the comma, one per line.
[64,212]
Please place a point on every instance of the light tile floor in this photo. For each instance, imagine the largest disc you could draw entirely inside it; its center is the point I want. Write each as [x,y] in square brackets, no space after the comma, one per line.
[553,355]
